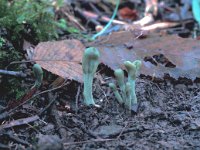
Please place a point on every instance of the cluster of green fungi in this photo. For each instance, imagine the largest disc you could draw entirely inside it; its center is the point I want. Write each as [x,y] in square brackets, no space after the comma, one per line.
[126,96]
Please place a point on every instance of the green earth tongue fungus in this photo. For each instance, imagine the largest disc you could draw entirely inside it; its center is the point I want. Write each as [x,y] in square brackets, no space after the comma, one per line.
[119,75]
[38,73]
[116,93]
[132,68]
[128,102]
[90,62]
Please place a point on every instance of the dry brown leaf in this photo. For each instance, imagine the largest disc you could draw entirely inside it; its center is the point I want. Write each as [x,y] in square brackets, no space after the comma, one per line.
[62,58]
[161,55]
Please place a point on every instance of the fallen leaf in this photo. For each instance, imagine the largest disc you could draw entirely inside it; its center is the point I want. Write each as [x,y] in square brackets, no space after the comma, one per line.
[62,58]
[161,55]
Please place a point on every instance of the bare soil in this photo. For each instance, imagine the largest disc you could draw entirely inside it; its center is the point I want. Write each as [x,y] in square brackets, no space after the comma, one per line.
[167,118]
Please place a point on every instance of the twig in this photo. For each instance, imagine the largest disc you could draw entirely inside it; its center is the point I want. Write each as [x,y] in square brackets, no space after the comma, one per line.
[89,19]
[77,96]
[13,73]
[98,139]
[47,107]
[3,146]
[19,122]
[126,131]
[4,115]
[19,62]
[88,141]
[72,19]
[15,103]
[90,133]
[118,134]
[96,10]
[160,25]
[62,131]
[7,114]
[122,131]
[17,139]
[95,16]
[43,92]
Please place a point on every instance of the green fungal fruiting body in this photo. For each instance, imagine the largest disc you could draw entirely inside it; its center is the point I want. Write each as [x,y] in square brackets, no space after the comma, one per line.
[116,93]
[132,68]
[119,75]
[38,73]
[128,95]
[90,62]
[128,103]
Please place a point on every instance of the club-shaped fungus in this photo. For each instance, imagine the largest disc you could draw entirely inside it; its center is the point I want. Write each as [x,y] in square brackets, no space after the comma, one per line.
[38,73]
[90,62]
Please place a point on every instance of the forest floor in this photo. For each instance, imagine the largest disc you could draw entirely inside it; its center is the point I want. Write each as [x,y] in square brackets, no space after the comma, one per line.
[168,115]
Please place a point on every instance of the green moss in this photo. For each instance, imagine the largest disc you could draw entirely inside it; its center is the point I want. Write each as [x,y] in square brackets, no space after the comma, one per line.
[9,86]
[28,16]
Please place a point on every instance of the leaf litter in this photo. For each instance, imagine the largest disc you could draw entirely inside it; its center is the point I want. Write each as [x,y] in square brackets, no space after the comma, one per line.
[62,58]
[161,55]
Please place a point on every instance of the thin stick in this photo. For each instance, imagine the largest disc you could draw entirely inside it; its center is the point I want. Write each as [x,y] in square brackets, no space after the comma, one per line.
[19,122]
[77,96]
[98,140]
[46,91]
[88,141]
[13,73]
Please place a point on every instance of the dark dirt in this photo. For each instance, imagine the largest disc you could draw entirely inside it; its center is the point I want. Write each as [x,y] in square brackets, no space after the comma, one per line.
[167,118]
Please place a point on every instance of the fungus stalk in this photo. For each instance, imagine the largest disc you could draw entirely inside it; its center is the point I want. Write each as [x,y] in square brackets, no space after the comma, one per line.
[132,68]
[38,73]
[119,75]
[128,103]
[116,93]
[90,62]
